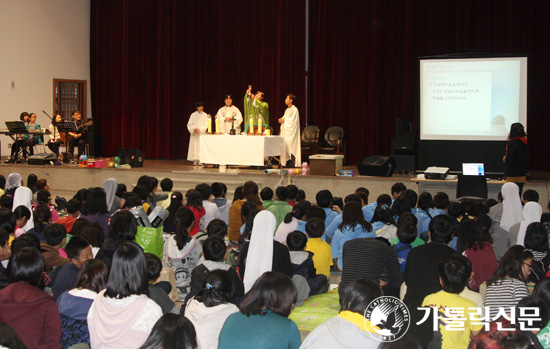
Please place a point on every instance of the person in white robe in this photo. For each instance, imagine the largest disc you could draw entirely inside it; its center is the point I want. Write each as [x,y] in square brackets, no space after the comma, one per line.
[290,130]
[226,114]
[197,125]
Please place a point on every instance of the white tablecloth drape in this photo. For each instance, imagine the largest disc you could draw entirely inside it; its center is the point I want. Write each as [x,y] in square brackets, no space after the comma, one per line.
[240,149]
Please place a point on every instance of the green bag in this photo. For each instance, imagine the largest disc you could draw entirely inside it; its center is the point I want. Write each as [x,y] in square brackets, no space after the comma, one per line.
[150,239]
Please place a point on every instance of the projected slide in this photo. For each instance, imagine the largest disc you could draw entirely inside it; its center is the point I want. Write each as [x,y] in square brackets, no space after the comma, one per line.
[472,99]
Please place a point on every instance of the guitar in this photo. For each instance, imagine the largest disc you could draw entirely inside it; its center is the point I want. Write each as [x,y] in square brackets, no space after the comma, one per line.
[80,127]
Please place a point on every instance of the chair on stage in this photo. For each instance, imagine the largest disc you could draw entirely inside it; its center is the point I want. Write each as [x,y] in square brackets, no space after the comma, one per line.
[310,141]
[471,187]
[333,142]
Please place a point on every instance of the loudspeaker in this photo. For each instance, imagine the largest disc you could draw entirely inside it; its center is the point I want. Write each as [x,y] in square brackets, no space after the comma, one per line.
[377,165]
[41,159]
[132,156]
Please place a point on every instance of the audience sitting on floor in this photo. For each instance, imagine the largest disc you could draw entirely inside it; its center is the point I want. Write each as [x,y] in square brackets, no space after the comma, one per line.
[433,251]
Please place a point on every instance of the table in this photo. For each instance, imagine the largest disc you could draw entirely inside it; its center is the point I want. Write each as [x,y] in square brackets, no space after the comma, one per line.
[240,149]
[433,186]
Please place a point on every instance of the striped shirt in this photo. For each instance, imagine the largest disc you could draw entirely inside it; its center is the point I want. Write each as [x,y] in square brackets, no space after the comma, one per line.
[504,294]
[368,258]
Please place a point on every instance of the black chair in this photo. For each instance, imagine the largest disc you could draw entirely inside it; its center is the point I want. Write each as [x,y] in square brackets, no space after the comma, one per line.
[472,187]
[309,141]
[333,142]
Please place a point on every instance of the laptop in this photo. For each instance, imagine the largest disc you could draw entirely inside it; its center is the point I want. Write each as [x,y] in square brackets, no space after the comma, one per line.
[473,169]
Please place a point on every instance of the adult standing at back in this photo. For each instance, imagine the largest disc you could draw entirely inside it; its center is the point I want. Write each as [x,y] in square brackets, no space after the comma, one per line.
[290,130]
[516,158]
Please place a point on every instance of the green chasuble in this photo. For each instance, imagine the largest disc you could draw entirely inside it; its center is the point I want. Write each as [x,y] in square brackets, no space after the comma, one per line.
[255,107]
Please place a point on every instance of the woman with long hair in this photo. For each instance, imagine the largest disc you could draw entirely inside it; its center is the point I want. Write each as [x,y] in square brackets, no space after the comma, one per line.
[44,197]
[383,223]
[516,159]
[194,203]
[74,304]
[172,332]
[536,241]
[183,251]
[31,182]
[473,244]
[42,216]
[264,313]
[209,309]
[176,201]
[94,209]
[291,221]
[507,286]
[122,315]
[353,226]
[123,228]
[24,306]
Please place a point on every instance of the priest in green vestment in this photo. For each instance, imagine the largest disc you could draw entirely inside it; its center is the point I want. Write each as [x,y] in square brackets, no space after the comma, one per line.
[254,105]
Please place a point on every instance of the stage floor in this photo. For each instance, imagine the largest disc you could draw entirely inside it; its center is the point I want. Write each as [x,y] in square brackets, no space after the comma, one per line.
[66,180]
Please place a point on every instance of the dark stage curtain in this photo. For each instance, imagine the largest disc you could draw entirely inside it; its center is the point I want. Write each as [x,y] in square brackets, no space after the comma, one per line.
[151,60]
[364,70]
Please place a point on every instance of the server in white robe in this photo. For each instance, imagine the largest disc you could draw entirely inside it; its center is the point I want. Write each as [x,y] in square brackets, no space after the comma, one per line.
[197,125]
[226,114]
[290,130]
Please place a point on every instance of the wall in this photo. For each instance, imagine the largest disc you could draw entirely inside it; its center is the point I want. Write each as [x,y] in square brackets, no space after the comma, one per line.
[40,40]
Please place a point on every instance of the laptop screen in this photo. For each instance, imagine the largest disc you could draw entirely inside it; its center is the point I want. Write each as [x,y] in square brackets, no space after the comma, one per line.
[473,169]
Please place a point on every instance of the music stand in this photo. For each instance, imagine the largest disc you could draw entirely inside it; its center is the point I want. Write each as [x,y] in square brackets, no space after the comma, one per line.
[67,126]
[16,127]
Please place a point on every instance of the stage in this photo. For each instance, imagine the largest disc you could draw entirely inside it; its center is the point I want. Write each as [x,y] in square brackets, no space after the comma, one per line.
[66,180]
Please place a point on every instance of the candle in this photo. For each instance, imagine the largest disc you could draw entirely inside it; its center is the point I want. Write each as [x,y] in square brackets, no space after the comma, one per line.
[210,125]
[251,124]
[268,132]
[218,126]
[260,124]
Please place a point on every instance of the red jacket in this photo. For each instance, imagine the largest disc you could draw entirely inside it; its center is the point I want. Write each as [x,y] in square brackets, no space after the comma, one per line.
[32,314]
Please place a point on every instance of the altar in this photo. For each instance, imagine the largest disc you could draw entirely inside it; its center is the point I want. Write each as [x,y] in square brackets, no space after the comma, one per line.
[246,150]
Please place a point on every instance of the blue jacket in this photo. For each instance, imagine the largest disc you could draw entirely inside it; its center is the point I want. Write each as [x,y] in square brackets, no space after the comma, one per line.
[73,312]
[343,236]
[330,216]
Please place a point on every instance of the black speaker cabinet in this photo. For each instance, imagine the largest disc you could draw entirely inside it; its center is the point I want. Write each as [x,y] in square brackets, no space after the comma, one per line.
[132,156]
[377,165]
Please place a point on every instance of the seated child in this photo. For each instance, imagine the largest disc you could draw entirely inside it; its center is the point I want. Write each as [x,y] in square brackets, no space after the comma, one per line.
[453,275]
[158,292]
[79,251]
[73,211]
[93,233]
[406,235]
[22,215]
[302,262]
[214,250]
[322,252]
[218,227]
[55,235]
